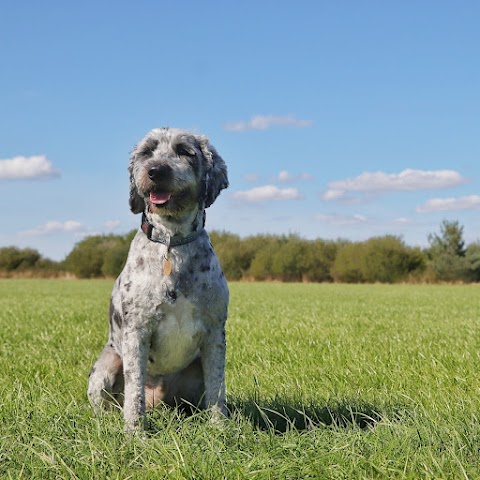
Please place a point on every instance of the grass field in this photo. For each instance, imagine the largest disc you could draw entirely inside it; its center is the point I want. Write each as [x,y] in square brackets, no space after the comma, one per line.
[324,381]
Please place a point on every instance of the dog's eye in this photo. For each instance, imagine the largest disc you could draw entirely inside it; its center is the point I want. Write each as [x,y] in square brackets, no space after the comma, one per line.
[186,150]
[149,147]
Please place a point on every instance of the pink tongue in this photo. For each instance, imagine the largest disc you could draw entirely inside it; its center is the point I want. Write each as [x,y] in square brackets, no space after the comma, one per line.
[160,198]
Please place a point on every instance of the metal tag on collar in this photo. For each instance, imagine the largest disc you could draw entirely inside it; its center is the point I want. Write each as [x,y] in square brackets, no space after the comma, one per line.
[167,265]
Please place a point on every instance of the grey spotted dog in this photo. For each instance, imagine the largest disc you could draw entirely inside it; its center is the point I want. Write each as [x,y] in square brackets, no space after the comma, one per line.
[169,305]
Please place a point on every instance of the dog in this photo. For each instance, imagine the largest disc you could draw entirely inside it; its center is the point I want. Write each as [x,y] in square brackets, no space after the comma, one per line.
[169,305]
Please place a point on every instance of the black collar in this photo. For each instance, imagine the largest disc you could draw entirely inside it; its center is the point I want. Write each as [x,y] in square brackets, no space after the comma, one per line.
[147,229]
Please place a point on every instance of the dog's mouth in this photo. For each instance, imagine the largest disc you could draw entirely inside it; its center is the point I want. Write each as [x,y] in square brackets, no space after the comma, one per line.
[164,202]
[160,198]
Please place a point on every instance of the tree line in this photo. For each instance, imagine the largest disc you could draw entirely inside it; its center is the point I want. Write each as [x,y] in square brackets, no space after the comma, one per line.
[286,258]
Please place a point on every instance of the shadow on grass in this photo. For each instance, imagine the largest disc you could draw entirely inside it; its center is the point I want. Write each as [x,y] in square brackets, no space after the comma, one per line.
[282,415]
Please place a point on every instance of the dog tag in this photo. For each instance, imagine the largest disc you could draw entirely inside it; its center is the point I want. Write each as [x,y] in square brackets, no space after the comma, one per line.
[167,266]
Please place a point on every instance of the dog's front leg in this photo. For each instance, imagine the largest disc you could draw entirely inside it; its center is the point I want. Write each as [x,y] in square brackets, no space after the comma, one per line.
[135,352]
[213,363]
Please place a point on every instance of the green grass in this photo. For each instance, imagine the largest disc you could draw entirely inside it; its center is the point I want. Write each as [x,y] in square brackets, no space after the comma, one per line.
[324,381]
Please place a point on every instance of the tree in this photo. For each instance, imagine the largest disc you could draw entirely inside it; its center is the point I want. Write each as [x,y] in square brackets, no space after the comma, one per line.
[449,241]
[233,257]
[472,260]
[347,266]
[13,258]
[86,258]
[447,252]
[318,260]
[288,260]
[267,246]
[114,258]
[388,260]
[99,255]
[380,259]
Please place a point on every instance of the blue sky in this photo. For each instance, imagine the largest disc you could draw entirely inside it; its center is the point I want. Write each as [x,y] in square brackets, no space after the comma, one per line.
[336,118]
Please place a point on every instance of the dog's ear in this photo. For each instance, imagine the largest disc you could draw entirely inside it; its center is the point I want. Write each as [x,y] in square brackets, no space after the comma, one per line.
[137,204]
[216,178]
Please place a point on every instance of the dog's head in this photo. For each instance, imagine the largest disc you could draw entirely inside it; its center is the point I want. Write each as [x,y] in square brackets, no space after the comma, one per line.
[173,171]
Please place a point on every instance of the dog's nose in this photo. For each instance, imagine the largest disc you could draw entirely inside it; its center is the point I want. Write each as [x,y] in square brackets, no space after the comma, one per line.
[160,172]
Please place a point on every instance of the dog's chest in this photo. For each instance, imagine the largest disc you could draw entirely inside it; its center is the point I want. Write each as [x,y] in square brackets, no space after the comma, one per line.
[176,338]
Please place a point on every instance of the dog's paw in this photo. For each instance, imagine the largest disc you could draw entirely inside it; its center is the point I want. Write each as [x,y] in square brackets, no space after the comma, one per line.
[134,427]
[137,433]
[218,414]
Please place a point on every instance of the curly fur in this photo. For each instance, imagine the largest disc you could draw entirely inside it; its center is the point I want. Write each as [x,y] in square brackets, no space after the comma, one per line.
[166,341]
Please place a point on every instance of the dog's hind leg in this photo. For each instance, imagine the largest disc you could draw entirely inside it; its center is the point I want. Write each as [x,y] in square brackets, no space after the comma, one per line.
[184,389]
[106,380]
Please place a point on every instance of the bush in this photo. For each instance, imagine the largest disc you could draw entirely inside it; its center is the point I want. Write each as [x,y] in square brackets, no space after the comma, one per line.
[278,257]
[288,260]
[261,267]
[318,260]
[99,256]
[13,258]
[388,260]
[381,259]
[27,262]
[347,266]
[233,254]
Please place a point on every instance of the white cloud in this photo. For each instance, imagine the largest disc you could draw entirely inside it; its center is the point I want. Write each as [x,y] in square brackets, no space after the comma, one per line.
[333,194]
[342,219]
[52,227]
[263,122]
[27,168]
[267,192]
[283,177]
[402,221]
[407,180]
[469,202]
[286,177]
